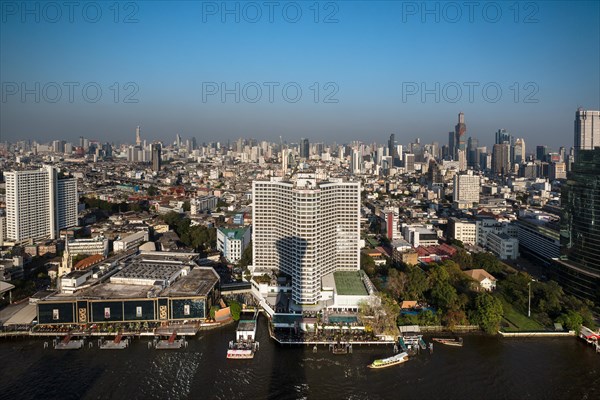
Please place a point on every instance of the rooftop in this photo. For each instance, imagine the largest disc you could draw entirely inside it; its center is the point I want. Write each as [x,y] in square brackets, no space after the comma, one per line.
[235,234]
[349,283]
[198,282]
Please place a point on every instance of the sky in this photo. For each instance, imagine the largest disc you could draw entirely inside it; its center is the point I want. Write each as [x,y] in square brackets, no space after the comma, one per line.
[329,71]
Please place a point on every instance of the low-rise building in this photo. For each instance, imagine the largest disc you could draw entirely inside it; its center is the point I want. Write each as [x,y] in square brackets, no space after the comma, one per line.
[504,246]
[130,241]
[485,280]
[233,242]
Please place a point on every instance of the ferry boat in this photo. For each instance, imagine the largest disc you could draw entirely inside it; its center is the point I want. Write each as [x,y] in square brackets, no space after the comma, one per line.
[245,344]
[449,342]
[388,362]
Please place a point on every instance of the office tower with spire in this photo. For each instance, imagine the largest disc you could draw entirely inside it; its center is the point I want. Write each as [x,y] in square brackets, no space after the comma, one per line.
[39,204]
[459,135]
[587,130]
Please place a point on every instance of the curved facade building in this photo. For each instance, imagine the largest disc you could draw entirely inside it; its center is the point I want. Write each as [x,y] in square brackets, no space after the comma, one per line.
[306,229]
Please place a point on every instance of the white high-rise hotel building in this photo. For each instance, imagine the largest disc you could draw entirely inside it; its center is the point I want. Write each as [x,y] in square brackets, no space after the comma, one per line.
[306,229]
[38,204]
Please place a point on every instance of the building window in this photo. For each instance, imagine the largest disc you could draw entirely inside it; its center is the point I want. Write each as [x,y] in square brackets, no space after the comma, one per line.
[138,312]
[106,312]
[186,309]
[55,314]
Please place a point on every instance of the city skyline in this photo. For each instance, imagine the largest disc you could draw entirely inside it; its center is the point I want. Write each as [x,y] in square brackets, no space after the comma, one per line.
[138,138]
[394,75]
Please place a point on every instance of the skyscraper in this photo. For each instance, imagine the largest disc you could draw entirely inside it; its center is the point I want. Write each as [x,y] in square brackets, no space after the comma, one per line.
[587,130]
[501,159]
[580,227]
[156,156]
[393,150]
[38,204]
[138,136]
[356,162]
[472,145]
[306,229]
[541,152]
[502,136]
[304,148]
[459,132]
[451,145]
[519,151]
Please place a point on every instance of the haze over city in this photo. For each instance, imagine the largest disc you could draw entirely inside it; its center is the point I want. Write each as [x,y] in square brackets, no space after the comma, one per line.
[364,69]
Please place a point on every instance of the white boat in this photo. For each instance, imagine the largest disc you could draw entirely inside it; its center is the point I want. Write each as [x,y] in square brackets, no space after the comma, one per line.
[388,362]
[240,354]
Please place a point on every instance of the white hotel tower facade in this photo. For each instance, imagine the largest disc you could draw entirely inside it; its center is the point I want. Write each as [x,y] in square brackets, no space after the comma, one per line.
[38,204]
[306,229]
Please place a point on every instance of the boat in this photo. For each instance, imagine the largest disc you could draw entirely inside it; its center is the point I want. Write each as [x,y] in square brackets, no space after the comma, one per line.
[245,344]
[388,362]
[242,349]
[449,342]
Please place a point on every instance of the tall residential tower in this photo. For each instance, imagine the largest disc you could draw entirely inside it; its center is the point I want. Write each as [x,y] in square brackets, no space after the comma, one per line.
[306,229]
[39,204]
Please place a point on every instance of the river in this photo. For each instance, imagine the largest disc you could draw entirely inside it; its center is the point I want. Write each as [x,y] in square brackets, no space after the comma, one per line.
[485,368]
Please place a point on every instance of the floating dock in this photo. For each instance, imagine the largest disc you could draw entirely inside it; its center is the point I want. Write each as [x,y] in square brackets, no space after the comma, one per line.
[69,344]
[172,343]
[119,343]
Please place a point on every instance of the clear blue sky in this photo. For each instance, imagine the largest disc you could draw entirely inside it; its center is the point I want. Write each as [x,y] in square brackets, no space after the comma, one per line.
[372,52]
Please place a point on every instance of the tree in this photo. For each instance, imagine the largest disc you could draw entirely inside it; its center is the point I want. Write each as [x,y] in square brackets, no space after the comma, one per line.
[571,320]
[417,284]
[152,191]
[396,283]
[212,312]
[382,313]
[444,296]
[463,259]
[235,308]
[488,262]
[367,264]
[488,312]
[186,205]
[246,258]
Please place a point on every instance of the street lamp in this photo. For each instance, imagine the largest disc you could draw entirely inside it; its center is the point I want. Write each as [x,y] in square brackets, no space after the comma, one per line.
[529,307]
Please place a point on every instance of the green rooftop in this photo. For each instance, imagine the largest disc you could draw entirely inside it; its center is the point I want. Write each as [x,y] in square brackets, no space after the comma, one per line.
[235,234]
[349,283]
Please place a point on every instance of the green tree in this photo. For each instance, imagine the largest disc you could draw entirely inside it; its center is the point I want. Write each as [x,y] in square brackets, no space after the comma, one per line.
[186,205]
[235,308]
[152,191]
[488,262]
[571,320]
[488,312]
[463,259]
[417,284]
[444,296]
[246,258]
[396,283]
[367,264]
[212,312]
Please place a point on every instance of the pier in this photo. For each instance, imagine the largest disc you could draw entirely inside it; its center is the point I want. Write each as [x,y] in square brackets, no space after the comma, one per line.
[68,344]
